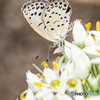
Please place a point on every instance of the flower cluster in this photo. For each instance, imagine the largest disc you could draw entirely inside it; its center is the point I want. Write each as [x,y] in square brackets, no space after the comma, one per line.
[77,70]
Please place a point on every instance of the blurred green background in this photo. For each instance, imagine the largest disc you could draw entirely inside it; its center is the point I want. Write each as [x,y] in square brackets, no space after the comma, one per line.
[19,44]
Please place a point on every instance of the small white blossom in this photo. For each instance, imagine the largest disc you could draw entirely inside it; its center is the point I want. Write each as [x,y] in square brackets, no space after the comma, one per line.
[94,82]
[79,34]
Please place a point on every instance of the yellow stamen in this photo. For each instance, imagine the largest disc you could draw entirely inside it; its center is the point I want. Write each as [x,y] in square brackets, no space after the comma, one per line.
[63,69]
[98,26]
[43,63]
[42,76]
[55,65]
[83,81]
[94,38]
[61,94]
[57,58]
[59,53]
[98,50]
[38,83]
[38,74]
[49,47]
[88,25]
[74,83]
[46,65]
[17,99]
[21,96]
[49,87]
[55,83]
[58,45]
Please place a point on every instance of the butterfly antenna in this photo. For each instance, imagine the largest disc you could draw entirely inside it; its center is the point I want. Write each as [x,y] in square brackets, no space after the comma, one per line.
[41,51]
[48,53]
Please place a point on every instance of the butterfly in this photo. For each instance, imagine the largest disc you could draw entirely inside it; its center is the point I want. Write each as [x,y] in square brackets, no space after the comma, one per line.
[49,18]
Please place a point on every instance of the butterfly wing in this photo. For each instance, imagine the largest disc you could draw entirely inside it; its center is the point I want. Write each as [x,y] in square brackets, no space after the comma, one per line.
[32,11]
[56,17]
[48,18]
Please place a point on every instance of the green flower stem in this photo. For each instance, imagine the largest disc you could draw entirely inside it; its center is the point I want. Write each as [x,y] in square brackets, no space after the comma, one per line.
[99,81]
[84,88]
[94,70]
[92,74]
[92,89]
[98,69]
[99,92]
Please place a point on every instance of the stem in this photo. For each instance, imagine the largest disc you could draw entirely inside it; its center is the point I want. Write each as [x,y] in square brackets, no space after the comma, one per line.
[98,69]
[92,89]
[84,88]
[99,92]
[94,70]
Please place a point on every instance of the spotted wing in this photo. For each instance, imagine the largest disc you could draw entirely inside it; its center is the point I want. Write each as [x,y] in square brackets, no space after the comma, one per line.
[56,17]
[32,11]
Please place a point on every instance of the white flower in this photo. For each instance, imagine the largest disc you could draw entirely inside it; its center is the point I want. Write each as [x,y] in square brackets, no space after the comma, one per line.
[45,94]
[82,70]
[92,51]
[96,35]
[29,95]
[94,82]
[95,60]
[89,41]
[79,34]
[79,59]
[31,78]
[63,97]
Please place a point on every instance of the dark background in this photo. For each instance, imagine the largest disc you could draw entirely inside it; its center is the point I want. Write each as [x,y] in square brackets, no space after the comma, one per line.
[19,44]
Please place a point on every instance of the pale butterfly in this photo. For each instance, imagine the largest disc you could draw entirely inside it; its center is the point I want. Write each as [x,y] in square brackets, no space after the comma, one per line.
[49,18]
